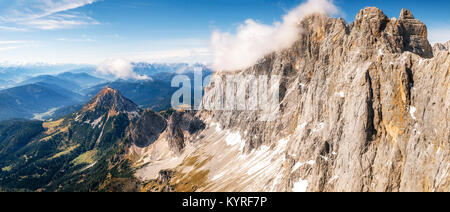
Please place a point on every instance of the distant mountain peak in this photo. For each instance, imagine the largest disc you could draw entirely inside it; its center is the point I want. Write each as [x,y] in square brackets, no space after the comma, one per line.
[108,90]
[112,101]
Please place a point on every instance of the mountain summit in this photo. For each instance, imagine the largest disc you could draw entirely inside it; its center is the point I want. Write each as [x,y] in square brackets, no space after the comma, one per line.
[111,99]
[112,102]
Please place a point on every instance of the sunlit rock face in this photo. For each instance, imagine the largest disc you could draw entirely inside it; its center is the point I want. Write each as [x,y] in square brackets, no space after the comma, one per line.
[363,107]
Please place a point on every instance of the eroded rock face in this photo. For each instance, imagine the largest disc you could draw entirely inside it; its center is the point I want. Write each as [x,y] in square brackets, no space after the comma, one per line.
[363,107]
[441,47]
[415,34]
[148,128]
[182,124]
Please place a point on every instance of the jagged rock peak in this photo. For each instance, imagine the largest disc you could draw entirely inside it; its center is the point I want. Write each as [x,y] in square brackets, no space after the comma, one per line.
[406,14]
[404,34]
[441,47]
[111,99]
[370,13]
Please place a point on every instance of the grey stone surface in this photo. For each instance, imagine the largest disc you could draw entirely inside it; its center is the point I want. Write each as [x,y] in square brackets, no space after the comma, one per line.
[364,107]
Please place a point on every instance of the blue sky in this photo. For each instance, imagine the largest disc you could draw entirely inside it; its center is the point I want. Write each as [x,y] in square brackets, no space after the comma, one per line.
[90,31]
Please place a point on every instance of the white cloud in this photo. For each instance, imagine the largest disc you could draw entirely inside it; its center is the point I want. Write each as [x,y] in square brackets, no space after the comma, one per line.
[44,14]
[12,29]
[439,35]
[254,40]
[60,21]
[120,68]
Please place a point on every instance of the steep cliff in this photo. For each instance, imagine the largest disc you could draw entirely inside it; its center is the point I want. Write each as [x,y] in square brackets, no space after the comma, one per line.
[363,107]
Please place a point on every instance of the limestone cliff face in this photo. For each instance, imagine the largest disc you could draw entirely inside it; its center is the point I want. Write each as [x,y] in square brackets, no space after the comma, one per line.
[364,107]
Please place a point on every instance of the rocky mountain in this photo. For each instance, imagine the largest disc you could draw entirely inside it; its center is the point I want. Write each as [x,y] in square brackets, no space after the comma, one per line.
[364,107]
[80,152]
[156,93]
[147,94]
[89,149]
[441,47]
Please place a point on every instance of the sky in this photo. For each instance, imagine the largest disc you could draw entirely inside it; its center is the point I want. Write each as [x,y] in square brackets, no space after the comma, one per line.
[93,31]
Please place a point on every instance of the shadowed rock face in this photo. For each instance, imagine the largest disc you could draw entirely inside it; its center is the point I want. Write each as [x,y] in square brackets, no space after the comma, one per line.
[415,34]
[182,124]
[147,129]
[363,107]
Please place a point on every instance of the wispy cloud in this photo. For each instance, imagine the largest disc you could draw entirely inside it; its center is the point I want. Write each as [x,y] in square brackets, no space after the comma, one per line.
[44,14]
[12,29]
[6,45]
[61,21]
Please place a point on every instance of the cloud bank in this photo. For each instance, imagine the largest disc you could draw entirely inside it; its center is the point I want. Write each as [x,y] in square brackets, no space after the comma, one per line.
[120,69]
[254,40]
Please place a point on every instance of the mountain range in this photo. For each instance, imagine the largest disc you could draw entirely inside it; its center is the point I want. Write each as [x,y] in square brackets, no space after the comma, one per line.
[364,106]
[66,92]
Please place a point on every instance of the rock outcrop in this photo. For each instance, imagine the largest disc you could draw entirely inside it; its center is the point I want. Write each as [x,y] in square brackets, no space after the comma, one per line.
[363,107]
[182,124]
[441,47]
[147,129]
[109,101]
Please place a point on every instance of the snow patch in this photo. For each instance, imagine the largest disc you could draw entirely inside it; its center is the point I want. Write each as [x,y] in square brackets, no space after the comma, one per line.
[234,139]
[218,127]
[300,186]
[218,176]
[324,158]
[319,127]
[282,144]
[380,52]
[300,164]
[335,177]
[412,111]
[95,122]
[301,127]
[133,114]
